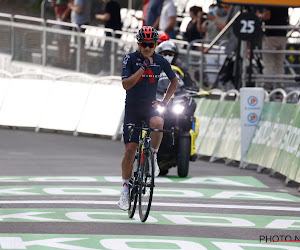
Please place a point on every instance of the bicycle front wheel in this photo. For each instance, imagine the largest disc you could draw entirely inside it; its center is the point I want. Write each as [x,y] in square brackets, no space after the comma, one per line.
[147,185]
[133,194]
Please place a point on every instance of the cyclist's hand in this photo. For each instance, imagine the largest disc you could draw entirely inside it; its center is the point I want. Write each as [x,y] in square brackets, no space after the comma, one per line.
[156,103]
[147,62]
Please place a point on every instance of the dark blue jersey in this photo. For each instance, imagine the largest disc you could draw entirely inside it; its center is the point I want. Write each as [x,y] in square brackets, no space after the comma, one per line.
[144,91]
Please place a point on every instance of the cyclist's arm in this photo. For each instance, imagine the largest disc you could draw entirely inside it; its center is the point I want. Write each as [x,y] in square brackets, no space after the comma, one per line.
[128,79]
[171,89]
[129,82]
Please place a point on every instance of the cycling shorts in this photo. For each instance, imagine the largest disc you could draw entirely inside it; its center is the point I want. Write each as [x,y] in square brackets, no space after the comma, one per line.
[135,114]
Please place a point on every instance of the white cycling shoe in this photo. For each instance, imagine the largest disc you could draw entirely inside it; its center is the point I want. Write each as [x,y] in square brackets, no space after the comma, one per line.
[124,201]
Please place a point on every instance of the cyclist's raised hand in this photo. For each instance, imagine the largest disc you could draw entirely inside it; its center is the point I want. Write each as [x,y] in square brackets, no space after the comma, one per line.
[147,62]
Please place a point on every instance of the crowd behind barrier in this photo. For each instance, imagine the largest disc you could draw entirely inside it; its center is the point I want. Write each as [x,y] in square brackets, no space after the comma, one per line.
[35,40]
[62,103]
[275,144]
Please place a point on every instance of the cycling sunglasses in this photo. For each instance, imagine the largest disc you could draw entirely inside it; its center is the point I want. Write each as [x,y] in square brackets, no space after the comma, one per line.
[145,45]
[167,54]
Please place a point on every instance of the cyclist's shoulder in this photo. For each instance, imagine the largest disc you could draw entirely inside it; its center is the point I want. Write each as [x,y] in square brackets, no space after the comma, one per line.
[133,56]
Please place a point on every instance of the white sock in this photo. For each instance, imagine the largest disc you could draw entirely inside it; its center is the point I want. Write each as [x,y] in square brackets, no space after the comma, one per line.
[125,185]
[154,150]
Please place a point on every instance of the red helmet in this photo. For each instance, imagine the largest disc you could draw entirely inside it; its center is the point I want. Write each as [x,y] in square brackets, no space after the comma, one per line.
[147,33]
[162,37]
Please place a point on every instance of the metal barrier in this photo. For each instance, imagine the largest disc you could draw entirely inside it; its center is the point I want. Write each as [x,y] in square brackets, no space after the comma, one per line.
[100,51]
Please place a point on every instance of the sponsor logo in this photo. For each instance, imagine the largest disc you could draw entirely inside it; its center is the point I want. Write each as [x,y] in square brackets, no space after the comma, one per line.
[252,118]
[125,60]
[252,101]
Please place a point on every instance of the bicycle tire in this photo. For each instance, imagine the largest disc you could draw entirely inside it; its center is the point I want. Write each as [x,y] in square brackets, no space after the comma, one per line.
[133,194]
[147,185]
[133,186]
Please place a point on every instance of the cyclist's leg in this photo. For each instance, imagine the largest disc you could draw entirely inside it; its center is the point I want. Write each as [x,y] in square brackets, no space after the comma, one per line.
[156,120]
[131,117]
[156,137]
[127,162]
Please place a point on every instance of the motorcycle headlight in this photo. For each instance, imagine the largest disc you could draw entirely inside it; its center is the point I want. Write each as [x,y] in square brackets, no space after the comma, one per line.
[178,109]
[160,109]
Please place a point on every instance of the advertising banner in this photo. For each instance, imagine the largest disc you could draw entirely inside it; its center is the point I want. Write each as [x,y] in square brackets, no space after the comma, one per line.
[204,112]
[264,129]
[230,146]
[216,128]
[285,162]
[276,138]
[252,102]
[294,171]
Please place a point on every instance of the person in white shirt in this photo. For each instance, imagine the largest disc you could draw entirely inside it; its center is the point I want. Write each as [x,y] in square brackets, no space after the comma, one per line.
[167,19]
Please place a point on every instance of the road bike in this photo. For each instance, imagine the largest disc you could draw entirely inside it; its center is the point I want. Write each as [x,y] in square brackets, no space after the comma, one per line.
[141,183]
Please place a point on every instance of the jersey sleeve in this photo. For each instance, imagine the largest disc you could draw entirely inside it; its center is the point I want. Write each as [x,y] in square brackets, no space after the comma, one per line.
[126,72]
[166,66]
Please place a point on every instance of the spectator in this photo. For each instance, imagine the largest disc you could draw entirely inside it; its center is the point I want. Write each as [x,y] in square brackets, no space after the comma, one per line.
[274,39]
[212,26]
[153,12]
[167,19]
[111,16]
[112,19]
[194,29]
[62,13]
[81,10]
[145,6]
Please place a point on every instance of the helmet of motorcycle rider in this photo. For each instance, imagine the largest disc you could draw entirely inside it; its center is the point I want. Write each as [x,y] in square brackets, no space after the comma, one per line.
[147,33]
[169,51]
[162,37]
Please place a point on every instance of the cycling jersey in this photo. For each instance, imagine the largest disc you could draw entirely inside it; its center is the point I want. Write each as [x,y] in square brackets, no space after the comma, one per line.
[139,98]
[144,91]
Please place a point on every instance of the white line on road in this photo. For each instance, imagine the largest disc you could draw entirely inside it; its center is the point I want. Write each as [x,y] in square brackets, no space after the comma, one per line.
[156,204]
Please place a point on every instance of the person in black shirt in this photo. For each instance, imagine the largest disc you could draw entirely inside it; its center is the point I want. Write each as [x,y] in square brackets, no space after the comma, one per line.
[194,29]
[274,39]
[111,16]
[112,20]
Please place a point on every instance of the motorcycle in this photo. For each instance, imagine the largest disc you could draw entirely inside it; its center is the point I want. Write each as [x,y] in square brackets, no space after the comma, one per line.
[179,117]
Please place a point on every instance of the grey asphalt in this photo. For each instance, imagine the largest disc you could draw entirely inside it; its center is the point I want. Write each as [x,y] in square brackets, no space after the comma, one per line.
[26,153]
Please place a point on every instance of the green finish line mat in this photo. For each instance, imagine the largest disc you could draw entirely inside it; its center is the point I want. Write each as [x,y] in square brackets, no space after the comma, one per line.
[125,242]
[158,192]
[239,181]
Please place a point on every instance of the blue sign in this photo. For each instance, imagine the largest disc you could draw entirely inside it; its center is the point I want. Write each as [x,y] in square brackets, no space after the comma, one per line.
[252,101]
[252,118]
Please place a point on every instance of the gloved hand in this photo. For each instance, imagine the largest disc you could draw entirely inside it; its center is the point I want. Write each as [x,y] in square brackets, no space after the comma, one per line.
[146,64]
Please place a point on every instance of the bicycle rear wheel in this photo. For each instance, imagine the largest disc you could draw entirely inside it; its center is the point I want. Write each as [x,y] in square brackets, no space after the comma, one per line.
[147,185]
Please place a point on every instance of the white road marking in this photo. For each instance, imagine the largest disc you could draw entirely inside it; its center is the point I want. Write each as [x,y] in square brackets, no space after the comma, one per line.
[156,204]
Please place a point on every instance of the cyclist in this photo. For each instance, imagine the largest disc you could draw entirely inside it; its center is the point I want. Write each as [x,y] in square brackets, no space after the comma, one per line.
[141,71]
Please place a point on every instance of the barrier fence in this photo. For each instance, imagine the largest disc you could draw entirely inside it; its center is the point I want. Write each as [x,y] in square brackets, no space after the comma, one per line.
[58,104]
[275,144]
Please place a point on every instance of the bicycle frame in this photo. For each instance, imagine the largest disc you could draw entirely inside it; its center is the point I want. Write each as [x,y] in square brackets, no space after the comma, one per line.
[141,176]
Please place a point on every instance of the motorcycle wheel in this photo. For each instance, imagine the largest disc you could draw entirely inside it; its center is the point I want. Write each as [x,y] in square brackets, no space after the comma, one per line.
[183,158]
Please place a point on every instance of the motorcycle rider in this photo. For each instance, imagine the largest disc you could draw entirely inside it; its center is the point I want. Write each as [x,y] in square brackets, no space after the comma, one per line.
[170,52]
